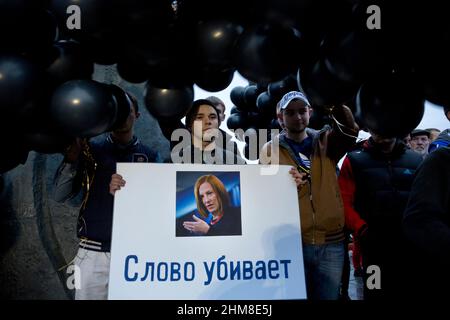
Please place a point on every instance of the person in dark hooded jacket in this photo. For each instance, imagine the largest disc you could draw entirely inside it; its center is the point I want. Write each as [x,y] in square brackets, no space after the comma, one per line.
[426,222]
[375,182]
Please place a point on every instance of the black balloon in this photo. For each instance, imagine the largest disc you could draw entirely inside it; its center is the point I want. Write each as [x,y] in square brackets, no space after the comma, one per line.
[291,13]
[356,56]
[83,108]
[266,104]
[25,26]
[251,148]
[214,43]
[166,51]
[434,67]
[276,90]
[213,80]
[323,88]
[391,105]
[132,71]
[124,105]
[251,93]
[234,10]
[267,53]
[237,97]
[8,7]
[238,121]
[103,51]
[20,85]
[168,126]
[234,110]
[46,141]
[274,124]
[71,62]
[165,103]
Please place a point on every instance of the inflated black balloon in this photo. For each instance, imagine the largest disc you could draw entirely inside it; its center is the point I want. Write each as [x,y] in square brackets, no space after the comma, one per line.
[238,121]
[215,41]
[132,71]
[251,93]
[267,53]
[8,7]
[274,124]
[46,141]
[168,126]
[291,13]
[234,110]
[319,118]
[124,105]
[234,10]
[83,108]
[356,55]
[276,90]
[20,84]
[28,33]
[171,74]
[259,120]
[137,14]
[323,88]
[213,80]
[391,105]
[168,103]
[103,51]
[266,104]
[167,52]
[434,67]
[251,148]
[237,97]
[71,62]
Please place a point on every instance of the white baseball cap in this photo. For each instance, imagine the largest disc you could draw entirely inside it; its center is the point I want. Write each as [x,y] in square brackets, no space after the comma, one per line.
[292,95]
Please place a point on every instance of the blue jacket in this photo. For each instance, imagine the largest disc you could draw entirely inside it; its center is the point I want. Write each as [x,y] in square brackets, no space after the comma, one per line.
[95,220]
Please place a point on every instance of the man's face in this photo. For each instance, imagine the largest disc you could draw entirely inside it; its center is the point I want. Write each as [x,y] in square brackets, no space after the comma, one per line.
[206,123]
[208,197]
[407,140]
[433,134]
[295,116]
[420,144]
[221,109]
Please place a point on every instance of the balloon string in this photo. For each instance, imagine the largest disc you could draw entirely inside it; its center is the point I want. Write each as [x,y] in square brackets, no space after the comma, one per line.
[339,125]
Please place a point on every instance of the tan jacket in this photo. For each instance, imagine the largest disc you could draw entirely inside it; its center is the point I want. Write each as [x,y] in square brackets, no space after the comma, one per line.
[321,208]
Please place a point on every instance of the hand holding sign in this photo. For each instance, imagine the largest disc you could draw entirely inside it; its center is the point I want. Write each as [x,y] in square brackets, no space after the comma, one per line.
[299,177]
[117,182]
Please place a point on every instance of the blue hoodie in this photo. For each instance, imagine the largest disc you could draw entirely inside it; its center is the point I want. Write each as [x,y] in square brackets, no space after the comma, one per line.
[443,140]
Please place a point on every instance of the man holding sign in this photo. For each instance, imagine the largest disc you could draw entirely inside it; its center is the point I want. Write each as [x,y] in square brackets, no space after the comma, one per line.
[315,154]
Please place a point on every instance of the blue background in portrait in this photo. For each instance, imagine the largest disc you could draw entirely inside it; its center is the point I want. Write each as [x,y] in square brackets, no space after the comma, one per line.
[185,189]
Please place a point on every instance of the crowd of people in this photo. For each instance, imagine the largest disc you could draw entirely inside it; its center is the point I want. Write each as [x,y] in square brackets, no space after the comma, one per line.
[391,194]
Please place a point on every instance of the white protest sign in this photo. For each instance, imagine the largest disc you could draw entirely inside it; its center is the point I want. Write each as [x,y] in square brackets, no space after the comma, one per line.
[252,251]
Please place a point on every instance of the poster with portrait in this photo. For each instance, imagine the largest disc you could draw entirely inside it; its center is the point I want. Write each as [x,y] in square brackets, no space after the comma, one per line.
[206,232]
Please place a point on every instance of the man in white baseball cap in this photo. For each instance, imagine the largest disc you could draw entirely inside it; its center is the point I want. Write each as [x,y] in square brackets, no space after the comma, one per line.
[315,154]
